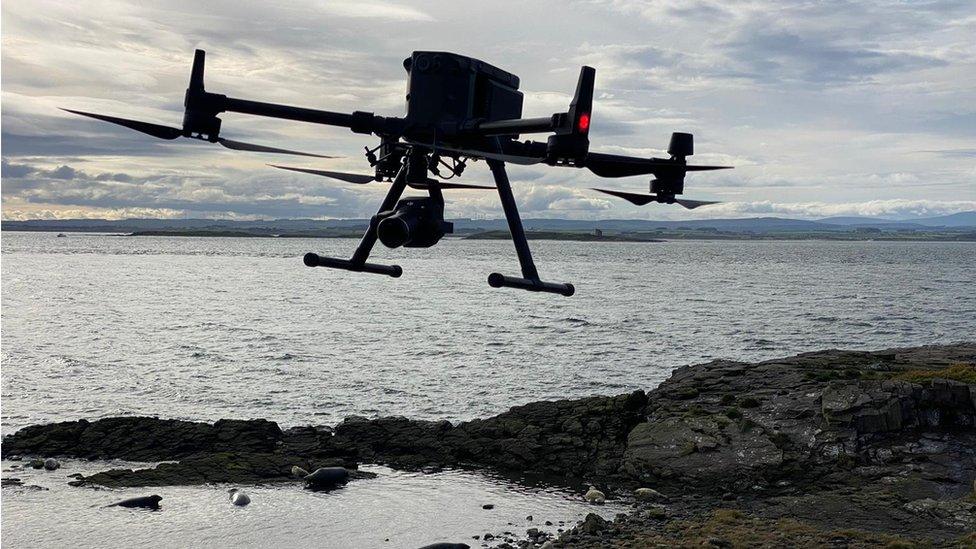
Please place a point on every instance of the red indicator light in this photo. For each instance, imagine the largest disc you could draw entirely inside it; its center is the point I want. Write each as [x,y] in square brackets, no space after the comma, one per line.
[584,122]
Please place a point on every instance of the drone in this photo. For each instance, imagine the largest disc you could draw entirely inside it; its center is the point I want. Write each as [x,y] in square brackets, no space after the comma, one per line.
[459,110]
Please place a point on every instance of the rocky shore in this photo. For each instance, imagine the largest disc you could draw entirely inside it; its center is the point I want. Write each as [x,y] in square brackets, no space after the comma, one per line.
[836,448]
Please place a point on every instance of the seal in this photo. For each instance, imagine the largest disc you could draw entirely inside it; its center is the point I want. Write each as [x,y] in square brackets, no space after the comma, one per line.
[146,502]
[238,497]
[447,546]
[298,472]
[325,478]
[595,496]
[51,464]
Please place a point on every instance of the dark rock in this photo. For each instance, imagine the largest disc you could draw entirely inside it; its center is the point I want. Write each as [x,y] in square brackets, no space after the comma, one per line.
[488,506]
[143,438]
[231,468]
[593,524]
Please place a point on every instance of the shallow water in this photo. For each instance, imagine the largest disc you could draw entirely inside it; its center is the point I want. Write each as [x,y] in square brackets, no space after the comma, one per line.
[205,328]
[396,509]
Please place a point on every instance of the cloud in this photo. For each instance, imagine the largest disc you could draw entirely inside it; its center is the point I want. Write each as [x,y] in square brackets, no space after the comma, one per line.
[819,106]
[891,209]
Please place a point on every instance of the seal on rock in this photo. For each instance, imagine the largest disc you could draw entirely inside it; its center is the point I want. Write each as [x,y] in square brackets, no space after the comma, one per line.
[238,497]
[325,478]
[146,502]
[595,496]
[648,494]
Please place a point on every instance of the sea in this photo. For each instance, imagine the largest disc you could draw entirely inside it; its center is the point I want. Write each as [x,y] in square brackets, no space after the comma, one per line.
[199,328]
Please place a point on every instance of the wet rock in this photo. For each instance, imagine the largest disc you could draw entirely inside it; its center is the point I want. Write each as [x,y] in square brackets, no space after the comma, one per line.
[488,506]
[593,524]
[12,481]
[957,513]
[36,463]
[229,468]
[143,438]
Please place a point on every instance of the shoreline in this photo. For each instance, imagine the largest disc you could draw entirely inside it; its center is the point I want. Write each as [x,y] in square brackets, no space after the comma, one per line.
[574,236]
[870,447]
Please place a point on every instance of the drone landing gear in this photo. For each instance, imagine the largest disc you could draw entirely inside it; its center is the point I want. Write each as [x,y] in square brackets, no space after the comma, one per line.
[530,276]
[358,262]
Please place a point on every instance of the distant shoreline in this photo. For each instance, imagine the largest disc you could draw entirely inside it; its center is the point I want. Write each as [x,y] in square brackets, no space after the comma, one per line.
[576,236]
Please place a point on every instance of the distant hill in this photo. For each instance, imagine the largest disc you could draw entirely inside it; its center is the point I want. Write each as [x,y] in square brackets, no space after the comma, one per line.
[757,225]
[961,219]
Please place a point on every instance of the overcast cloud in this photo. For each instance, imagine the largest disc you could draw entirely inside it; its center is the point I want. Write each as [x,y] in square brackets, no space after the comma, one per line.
[824,108]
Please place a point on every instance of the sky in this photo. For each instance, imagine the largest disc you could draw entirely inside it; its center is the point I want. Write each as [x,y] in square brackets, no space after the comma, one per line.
[825,108]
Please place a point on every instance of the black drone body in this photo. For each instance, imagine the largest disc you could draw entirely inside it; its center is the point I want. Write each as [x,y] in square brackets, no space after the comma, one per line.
[459,110]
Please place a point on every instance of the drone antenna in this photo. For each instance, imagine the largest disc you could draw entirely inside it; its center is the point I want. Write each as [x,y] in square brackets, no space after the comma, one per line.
[582,105]
[196,73]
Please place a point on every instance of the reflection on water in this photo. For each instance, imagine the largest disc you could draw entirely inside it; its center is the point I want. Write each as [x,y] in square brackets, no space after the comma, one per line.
[396,509]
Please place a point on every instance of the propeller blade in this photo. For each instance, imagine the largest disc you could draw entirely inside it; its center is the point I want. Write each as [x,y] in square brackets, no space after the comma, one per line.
[443,185]
[633,198]
[692,204]
[641,199]
[357,178]
[241,146]
[155,130]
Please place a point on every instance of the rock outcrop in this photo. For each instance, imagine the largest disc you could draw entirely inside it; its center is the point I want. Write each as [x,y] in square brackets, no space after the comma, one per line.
[884,441]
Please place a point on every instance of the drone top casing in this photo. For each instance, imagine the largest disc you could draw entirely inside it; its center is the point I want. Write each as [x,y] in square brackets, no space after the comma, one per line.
[449,89]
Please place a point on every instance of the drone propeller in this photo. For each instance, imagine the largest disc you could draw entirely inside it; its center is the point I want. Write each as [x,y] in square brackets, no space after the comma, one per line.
[642,199]
[166,132]
[361,179]
[357,178]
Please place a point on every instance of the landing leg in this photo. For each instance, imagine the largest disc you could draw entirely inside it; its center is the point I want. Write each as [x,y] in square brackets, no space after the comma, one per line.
[530,275]
[358,261]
